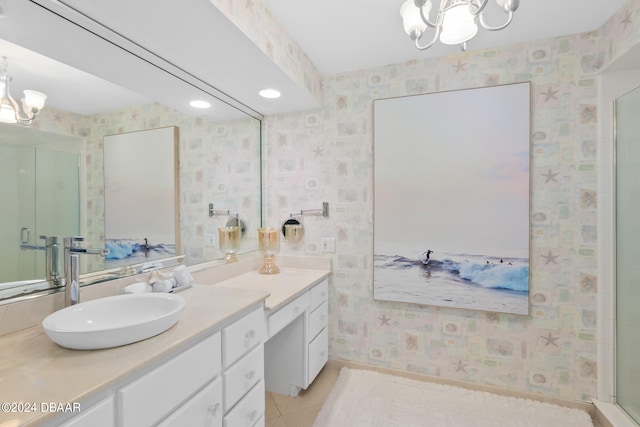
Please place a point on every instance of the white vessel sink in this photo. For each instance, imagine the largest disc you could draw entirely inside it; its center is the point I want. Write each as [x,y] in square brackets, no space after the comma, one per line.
[113,321]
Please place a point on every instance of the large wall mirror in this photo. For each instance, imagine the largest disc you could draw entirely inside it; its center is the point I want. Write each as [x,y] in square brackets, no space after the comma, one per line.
[53,172]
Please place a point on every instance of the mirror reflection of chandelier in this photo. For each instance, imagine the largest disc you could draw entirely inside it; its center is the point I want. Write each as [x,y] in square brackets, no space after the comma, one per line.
[456,21]
[10,111]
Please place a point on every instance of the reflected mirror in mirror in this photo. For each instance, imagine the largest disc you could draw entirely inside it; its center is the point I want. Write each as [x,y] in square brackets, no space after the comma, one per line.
[140,189]
[219,154]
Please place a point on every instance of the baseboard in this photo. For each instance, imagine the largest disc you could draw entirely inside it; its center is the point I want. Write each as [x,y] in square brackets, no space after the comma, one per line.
[610,415]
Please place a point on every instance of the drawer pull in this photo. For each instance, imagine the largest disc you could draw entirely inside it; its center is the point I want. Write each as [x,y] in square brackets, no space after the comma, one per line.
[249,336]
[212,410]
[250,375]
[252,415]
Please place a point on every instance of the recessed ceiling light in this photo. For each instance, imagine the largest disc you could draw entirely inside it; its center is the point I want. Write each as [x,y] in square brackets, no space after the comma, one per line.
[199,104]
[269,93]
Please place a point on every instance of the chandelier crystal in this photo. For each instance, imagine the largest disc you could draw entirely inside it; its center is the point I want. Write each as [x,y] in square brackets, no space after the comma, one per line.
[10,111]
[456,21]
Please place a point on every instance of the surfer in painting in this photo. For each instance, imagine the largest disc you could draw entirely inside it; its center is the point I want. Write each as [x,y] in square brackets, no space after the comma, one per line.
[425,256]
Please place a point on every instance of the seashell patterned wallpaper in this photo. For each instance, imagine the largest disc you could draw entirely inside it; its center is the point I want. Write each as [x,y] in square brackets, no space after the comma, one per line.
[218,162]
[326,155]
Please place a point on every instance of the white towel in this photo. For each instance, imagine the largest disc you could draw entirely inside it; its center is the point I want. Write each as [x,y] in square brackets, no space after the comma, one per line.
[163,285]
[183,277]
[137,288]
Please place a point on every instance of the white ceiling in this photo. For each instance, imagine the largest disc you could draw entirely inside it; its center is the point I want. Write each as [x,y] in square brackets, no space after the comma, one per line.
[196,42]
[66,87]
[345,35]
[191,39]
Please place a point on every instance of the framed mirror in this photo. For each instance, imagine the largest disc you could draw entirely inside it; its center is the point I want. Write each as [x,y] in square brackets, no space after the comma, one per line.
[218,149]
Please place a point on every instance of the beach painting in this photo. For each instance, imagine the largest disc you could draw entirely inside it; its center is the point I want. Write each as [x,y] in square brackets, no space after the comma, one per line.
[140,196]
[451,199]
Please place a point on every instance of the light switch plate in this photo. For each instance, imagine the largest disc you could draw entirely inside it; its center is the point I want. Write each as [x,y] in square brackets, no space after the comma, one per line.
[329,245]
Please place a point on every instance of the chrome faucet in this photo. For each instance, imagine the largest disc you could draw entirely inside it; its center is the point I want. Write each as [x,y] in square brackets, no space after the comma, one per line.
[72,267]
[52,258]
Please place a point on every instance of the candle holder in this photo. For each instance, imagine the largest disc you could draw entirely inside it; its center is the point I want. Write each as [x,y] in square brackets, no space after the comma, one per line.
[229,238]
[269,246]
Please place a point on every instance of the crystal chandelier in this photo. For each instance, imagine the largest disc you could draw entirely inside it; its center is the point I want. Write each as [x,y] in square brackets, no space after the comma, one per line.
[10,111]
[456,21]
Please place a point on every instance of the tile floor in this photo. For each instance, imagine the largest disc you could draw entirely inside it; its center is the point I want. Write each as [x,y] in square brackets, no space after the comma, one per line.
[300,411]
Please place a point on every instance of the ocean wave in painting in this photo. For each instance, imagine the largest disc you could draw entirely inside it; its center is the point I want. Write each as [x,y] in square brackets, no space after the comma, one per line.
[133,250]
[456,280]
[500,273]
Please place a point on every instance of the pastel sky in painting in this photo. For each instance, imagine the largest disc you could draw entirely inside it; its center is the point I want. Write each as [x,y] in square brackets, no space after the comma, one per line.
[139,185]
[452,172]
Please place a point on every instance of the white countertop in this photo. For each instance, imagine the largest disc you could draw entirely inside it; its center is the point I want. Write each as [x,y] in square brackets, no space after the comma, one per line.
[34,369]
[282,287]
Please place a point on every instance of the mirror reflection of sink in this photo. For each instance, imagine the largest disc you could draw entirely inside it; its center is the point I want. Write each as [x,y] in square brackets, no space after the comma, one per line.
[113,321]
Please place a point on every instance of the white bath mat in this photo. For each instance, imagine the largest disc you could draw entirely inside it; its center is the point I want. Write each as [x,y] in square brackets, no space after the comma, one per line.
[363,398]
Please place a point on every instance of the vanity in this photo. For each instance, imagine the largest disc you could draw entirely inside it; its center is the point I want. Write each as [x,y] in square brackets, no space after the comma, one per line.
[240,333]
[296,315]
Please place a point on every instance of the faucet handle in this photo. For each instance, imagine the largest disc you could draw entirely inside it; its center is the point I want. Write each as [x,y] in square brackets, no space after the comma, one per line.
[72,242]
[97,251]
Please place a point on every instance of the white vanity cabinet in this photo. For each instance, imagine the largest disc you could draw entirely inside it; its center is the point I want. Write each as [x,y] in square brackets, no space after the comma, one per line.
[150,398]
[100,414]
[218,382]
[236,338]
[204,409]
[243,362]
[318,342]
[297,343]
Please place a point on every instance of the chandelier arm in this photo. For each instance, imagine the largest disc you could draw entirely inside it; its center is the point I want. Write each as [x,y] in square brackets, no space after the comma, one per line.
[425,19]
[22,116]
[23,112]
[25,122]
[501,27]
[431,43]
[475,9]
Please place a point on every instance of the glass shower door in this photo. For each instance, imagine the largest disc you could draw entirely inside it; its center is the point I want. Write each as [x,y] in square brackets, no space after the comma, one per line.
[627,182]
[40,193]
[17,173]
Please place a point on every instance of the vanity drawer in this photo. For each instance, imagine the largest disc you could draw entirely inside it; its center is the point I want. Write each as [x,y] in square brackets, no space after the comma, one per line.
[318,294]
[203,410]
[249,411]
[241,336]
[281,318]
[318,319]
[318,354]
[98,415]
[242,376]
[151,397]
